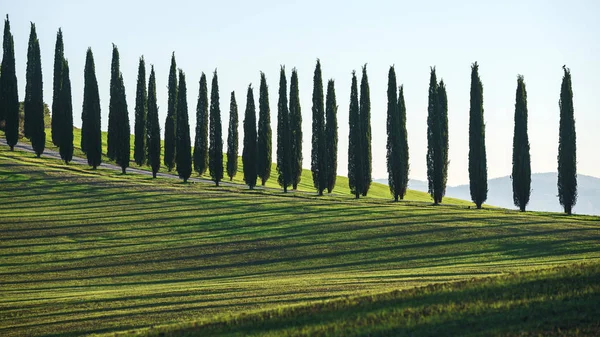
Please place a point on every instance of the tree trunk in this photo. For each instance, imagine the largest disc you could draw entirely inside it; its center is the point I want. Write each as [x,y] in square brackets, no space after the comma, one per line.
[356,195]
[94,167]
[12,148]
[123,170]
[285,189]
[153,174]
[396,197]
[217,183]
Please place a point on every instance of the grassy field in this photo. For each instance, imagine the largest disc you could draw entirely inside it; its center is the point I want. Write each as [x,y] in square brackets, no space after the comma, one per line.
[561,301]
[85,251]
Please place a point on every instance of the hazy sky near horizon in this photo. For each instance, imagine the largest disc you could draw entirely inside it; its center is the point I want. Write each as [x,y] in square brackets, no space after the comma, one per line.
[534,38]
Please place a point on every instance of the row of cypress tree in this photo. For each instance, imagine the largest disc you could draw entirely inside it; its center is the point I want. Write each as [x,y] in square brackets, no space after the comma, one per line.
[208,149]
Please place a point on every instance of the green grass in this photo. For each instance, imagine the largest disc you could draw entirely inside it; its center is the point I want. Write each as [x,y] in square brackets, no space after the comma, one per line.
[560,301]
[85,251]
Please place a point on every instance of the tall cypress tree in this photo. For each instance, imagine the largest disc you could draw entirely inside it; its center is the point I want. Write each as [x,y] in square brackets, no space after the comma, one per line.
[284,151]
[34,100]
[215,150]
[331,135]
[477,153]
[153,128]
[403,150]
[201,141]
[432,133]
[122,129]
[355,170]
[8,88]
[56,85]
[443,111]
[250,142]
[567,146]
[184,146]
[521,160]
[436,141]
[365,118]
[232,138]
[170,127]
[264,149]
[295,130]
[91,133]
[318,161]
[393,137]
[141,110]
[66,116]
[114,104]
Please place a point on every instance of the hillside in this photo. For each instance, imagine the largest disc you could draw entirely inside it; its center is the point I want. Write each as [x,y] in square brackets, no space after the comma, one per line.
[95,252]
[543,193]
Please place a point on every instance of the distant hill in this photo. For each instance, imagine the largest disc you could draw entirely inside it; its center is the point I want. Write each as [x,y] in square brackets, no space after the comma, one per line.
[543,194]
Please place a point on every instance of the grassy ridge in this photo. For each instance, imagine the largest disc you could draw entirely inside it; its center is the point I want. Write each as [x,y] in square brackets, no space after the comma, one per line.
[554,302]
[85,251]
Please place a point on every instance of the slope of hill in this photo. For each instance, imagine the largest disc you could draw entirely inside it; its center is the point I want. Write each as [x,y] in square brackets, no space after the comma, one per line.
[87,251]
[543,193]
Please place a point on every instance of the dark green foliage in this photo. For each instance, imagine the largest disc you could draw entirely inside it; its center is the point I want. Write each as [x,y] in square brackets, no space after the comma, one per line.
[431,133]
[443,116]
[331,135]
[284,151]
[365,120]
[215,150]
[8,89]
[114,104]
[521,160]
[393,137]
[477,153]
[403,150]
[295,130]
[141,110]
[91,134]
[264,152]
[201,141]
[65,110]
[232,138]
[170,127]
[355,169]
[153,127]
[122,128]
[56,85]
[250,148]
[318,162]
[567,146]
[184,146]
[34,100]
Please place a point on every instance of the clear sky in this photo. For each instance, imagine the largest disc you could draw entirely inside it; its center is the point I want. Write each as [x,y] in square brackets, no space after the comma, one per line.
[242,38]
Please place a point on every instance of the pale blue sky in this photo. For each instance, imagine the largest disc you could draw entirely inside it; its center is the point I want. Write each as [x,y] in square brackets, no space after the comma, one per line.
[241,38]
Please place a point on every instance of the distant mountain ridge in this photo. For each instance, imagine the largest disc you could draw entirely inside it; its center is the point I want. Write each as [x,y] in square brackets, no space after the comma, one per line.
[543,193]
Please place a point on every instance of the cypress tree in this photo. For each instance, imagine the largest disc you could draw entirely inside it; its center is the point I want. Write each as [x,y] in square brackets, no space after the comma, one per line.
[56,85]
[331,135]
[295,130]
[141,110]
[521,160]
[355,170]
[232,138]
[153,128]
[284,151]
[8,86]
[91,133]
[250,142]
[443,111]
[66,116]
[365,118]
[567,147]
[34,100]
[201,141]
[215,150]
[122,129]
[184,150]
[477,153]
[393,137]
[264,151]
[318,161]
[170,127]
[403,150]
[114,104]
